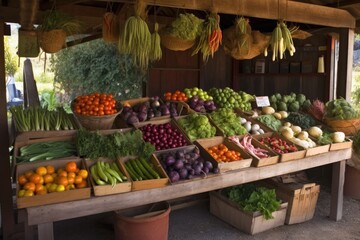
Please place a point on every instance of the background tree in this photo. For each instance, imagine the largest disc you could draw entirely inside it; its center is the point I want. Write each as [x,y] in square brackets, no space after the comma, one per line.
[10,59]
[96,67]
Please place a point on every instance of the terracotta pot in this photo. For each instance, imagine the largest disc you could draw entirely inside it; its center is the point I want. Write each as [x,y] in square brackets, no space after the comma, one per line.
[149,222]
[352,182]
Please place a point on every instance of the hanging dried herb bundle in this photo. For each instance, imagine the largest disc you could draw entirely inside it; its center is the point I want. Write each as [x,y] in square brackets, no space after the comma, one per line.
[185,26]
[155,50]
[136,38]
[210,37]
[243,33]
[110,28]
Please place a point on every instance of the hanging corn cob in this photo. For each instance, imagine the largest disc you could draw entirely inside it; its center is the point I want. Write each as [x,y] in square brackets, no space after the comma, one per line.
[155,50]
[136,39]
[210,37]
[281,40]
[243,34]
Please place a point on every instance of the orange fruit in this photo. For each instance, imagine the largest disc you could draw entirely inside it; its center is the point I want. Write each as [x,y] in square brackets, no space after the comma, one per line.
[28,193]
[39,187]
[21,193]
[54,175]
[60,170]
[71,180]
[35,178]
[62,174]
[41,192]
[78,179]
[70,187]
[48,178]
[63,181]
[41,170]
[52,187]
[83,184]
[71,175]
[47,186]
[83,173]
[22,179]
[71,166]
[41,180]
[29,186]
[60,188]
[50,169]
[28,174]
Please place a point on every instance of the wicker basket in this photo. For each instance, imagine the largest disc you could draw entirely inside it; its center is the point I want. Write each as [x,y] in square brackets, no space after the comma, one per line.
[97,122]
[175,43]
[52,41]
[349,127]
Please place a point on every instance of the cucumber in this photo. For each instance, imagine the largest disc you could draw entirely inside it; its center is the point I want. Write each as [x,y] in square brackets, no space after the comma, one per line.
[100,171]
[136,169]
[116,168]
[149,168]
[131,172]
[143,169]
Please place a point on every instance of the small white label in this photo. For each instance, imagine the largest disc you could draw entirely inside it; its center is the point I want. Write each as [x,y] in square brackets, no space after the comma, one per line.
[262,101]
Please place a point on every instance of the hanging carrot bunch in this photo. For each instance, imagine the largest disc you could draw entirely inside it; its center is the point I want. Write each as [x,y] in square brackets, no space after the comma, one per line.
[110,28]
[210,37]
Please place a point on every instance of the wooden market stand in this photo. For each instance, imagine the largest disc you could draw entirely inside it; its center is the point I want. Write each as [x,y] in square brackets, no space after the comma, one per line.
[43,216]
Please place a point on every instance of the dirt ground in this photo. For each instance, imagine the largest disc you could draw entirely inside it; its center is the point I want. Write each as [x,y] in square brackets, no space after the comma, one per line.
[197,223]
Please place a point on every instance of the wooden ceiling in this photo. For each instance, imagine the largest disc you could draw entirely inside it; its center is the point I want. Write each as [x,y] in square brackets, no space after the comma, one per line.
[311,14]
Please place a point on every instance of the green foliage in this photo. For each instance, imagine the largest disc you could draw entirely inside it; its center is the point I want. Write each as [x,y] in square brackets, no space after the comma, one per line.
[10,59]
[97,66]
[59,20]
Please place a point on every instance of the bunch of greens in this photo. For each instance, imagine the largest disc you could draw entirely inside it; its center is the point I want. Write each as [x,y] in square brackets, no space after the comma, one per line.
[186,26]
[228,122]
[292,102]
[340,109]
[270,121]
[197,126]
[252,199]
[324,139]
[94,145]
[302,120]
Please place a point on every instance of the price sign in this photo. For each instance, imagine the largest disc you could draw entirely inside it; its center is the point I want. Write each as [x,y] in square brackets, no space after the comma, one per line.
[262,101]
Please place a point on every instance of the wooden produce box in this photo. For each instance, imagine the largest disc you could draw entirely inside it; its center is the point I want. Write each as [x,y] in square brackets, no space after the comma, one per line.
[301,198]
[250,223]
[205,143]
[284,157]
[149,183]
[338,146]
[319,149]
[54,197]
[260,162]
[101,190]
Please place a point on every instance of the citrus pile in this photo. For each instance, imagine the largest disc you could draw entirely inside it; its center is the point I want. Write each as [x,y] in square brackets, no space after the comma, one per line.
[175,96]
[95,104]
[45,179]
[222,154]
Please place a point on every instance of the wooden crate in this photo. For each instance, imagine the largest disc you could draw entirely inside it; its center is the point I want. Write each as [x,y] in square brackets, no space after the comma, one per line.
[250,223]
[101,190]
[260,162]
[285,156]
[301,197]
[150,183]
[54,197]
[343,145]
[319,149]
[205,143]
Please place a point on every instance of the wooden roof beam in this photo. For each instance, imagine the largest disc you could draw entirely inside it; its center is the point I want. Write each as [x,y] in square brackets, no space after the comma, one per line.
[267,9]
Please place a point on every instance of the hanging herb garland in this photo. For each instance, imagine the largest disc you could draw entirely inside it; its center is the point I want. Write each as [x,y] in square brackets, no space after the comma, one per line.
[155,51]
[136,38]
[210,37]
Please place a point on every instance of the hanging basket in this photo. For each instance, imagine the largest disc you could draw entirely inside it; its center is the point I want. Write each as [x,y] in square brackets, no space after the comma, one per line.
[349,127]
[52,41]
[110,28]
[175,43]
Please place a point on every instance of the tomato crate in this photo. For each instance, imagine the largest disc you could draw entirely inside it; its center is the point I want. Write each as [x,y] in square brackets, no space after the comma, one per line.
[101,190]
[250,223]
[205,143]
[54,197]
[301,198]
[273,158]
[284,157]
[149,183]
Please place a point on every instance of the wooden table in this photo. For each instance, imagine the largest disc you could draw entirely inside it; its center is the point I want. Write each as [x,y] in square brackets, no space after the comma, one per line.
[44,216]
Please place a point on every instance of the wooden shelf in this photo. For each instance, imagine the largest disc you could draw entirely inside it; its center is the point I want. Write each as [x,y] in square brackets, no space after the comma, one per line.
[284,74]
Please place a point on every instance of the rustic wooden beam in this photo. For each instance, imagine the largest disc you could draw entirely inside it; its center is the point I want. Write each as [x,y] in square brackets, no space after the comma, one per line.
[267,9]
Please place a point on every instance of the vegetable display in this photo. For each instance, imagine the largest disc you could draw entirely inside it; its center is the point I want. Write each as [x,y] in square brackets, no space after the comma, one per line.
[228,98]
[278,145]
[228,122]
[46,151]
[270,121]
[46,179]
[197,126]
[163,136]
[185,164]
[199,105]
[140,169]
[175,96]
[41,119]
[94,145]
[95,104]
[195,91]
[106,173]
[221,153]
[340,109]
[252,199]
[292,102]
[302,120]
[296,135]
[245,143]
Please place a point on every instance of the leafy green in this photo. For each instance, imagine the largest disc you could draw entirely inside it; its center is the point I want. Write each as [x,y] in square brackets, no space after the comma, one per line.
[197,126]
[340,109]
[324,139]
[252,199]
[94,145]
[270,121]
[356,141]
[185,26]
[228,122]
[302,120]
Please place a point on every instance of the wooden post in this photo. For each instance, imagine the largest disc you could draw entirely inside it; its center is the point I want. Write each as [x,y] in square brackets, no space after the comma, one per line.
[7,211]
[337,189]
